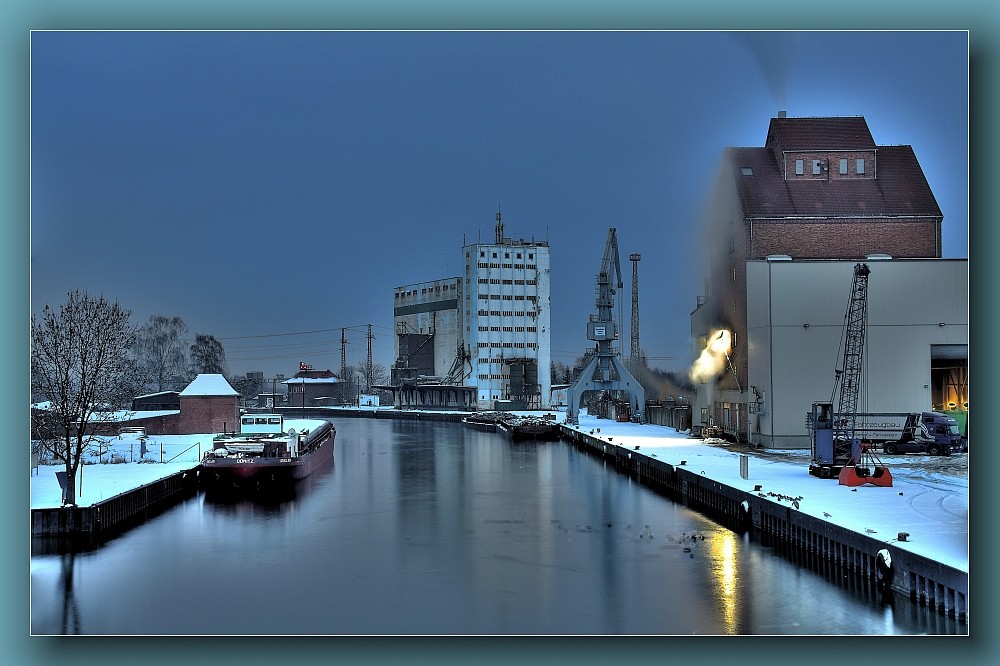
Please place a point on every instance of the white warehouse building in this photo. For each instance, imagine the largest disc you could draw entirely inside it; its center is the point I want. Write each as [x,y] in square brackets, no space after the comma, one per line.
[916,344]
[507,297]
[480,340]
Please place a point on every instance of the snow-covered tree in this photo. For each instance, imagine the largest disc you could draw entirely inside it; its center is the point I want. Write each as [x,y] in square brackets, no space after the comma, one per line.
[81,364]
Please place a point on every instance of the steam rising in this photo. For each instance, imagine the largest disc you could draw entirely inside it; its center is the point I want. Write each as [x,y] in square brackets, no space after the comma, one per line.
[772,52]
[712,360]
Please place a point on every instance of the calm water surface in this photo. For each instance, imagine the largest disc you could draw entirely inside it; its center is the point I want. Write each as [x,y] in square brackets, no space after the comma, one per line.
[435,529]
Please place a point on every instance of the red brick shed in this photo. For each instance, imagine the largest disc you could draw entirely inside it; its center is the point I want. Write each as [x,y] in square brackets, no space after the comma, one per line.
[209,405]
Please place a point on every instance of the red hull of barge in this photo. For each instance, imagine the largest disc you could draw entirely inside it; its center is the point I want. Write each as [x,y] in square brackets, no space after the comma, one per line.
[259,470]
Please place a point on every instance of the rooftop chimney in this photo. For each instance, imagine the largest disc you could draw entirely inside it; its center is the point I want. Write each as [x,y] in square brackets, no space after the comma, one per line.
[782,114]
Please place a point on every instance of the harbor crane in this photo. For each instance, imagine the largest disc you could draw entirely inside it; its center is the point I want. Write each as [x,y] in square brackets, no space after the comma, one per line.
[835,446]
[605,370]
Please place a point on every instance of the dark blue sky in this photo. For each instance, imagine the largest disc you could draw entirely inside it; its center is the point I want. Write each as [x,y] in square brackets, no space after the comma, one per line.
[266,183]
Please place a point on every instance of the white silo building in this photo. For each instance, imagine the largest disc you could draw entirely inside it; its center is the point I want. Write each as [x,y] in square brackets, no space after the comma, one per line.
[507,321]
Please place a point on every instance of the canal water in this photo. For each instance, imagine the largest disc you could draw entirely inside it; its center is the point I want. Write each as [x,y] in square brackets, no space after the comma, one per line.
[433,528]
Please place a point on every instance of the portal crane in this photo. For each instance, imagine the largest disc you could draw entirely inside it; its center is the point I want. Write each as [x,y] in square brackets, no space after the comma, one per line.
[835,446]
[605,371]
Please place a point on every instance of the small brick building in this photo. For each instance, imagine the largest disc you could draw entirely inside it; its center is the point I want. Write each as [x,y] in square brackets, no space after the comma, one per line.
[313,388]
[208,405]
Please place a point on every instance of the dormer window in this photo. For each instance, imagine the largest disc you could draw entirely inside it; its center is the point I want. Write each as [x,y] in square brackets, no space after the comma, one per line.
[859,166]
[799,167]
[746,171]
[817,167]
[843,167]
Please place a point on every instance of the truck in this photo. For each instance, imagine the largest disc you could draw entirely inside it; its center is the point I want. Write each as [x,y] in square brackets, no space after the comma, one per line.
[932,433]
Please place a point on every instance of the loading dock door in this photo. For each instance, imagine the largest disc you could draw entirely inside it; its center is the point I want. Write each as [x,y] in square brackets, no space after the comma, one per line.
[950,377]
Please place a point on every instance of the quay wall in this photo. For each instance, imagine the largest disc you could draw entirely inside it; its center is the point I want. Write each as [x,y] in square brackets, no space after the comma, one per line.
[110,517]
[806,538]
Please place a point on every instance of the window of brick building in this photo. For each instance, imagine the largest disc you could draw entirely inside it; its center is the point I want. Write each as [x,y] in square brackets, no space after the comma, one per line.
[859,166]
[799,167]
[843,167]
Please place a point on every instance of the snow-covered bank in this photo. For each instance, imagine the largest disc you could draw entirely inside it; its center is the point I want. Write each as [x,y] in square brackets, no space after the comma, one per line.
[931,506]
[120,465]
[929,498]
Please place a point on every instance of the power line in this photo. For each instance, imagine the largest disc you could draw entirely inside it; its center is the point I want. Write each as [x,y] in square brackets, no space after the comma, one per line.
[277,335]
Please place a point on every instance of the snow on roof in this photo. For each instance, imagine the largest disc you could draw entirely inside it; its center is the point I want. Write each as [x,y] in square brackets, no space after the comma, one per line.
[209,385]
[153,395]
[311,380]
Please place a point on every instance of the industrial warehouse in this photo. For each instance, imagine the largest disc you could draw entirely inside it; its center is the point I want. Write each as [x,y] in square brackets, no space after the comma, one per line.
[789,222]
[481,341]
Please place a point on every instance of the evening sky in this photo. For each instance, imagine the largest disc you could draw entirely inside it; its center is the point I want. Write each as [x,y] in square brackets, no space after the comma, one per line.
[272,188]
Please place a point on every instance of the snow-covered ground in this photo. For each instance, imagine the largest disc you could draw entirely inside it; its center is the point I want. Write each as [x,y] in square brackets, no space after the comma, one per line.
[929,498]
[119,466]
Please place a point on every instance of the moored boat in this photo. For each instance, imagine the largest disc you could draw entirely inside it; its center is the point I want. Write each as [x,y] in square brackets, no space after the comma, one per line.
[265,454]
[529,428]
[517,428]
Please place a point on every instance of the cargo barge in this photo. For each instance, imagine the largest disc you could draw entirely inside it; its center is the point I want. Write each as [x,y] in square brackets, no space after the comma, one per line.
[264,453]
[522,429]
[516,428]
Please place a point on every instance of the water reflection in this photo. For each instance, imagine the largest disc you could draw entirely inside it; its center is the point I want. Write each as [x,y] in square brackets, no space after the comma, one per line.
[722,551]
[436,529]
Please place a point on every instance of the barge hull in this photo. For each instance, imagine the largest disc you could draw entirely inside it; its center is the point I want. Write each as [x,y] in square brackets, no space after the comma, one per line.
[255,470]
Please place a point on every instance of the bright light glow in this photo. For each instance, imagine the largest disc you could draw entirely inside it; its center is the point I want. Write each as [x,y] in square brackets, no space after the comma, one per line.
[724,561]
[712,360]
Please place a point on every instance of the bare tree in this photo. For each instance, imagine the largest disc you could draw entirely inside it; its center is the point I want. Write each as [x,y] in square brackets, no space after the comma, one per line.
[81,364]
[377,375]
[161,352]
[207,356]
[350,384]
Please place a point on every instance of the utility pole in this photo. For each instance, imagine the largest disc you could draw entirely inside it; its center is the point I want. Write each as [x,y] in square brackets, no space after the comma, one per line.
[343,365]
[343,353]
[634,257]
[368,368]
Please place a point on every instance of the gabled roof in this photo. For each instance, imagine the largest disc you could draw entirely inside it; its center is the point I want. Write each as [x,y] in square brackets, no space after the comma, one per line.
[315,374]
[209,385]
[899,190]
[312,380]
[846,133]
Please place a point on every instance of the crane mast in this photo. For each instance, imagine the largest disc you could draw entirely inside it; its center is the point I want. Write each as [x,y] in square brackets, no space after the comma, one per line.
[850,378]
[835,446]
[605,370]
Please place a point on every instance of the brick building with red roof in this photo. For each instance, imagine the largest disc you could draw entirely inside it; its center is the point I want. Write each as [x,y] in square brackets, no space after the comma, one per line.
[818,189]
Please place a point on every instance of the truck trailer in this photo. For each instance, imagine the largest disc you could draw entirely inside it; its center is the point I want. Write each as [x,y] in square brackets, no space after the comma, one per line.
[931,433]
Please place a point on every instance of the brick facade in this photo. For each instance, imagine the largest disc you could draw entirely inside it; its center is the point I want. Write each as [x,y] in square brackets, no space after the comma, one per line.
[844,239]
[208,414]
[760,207]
